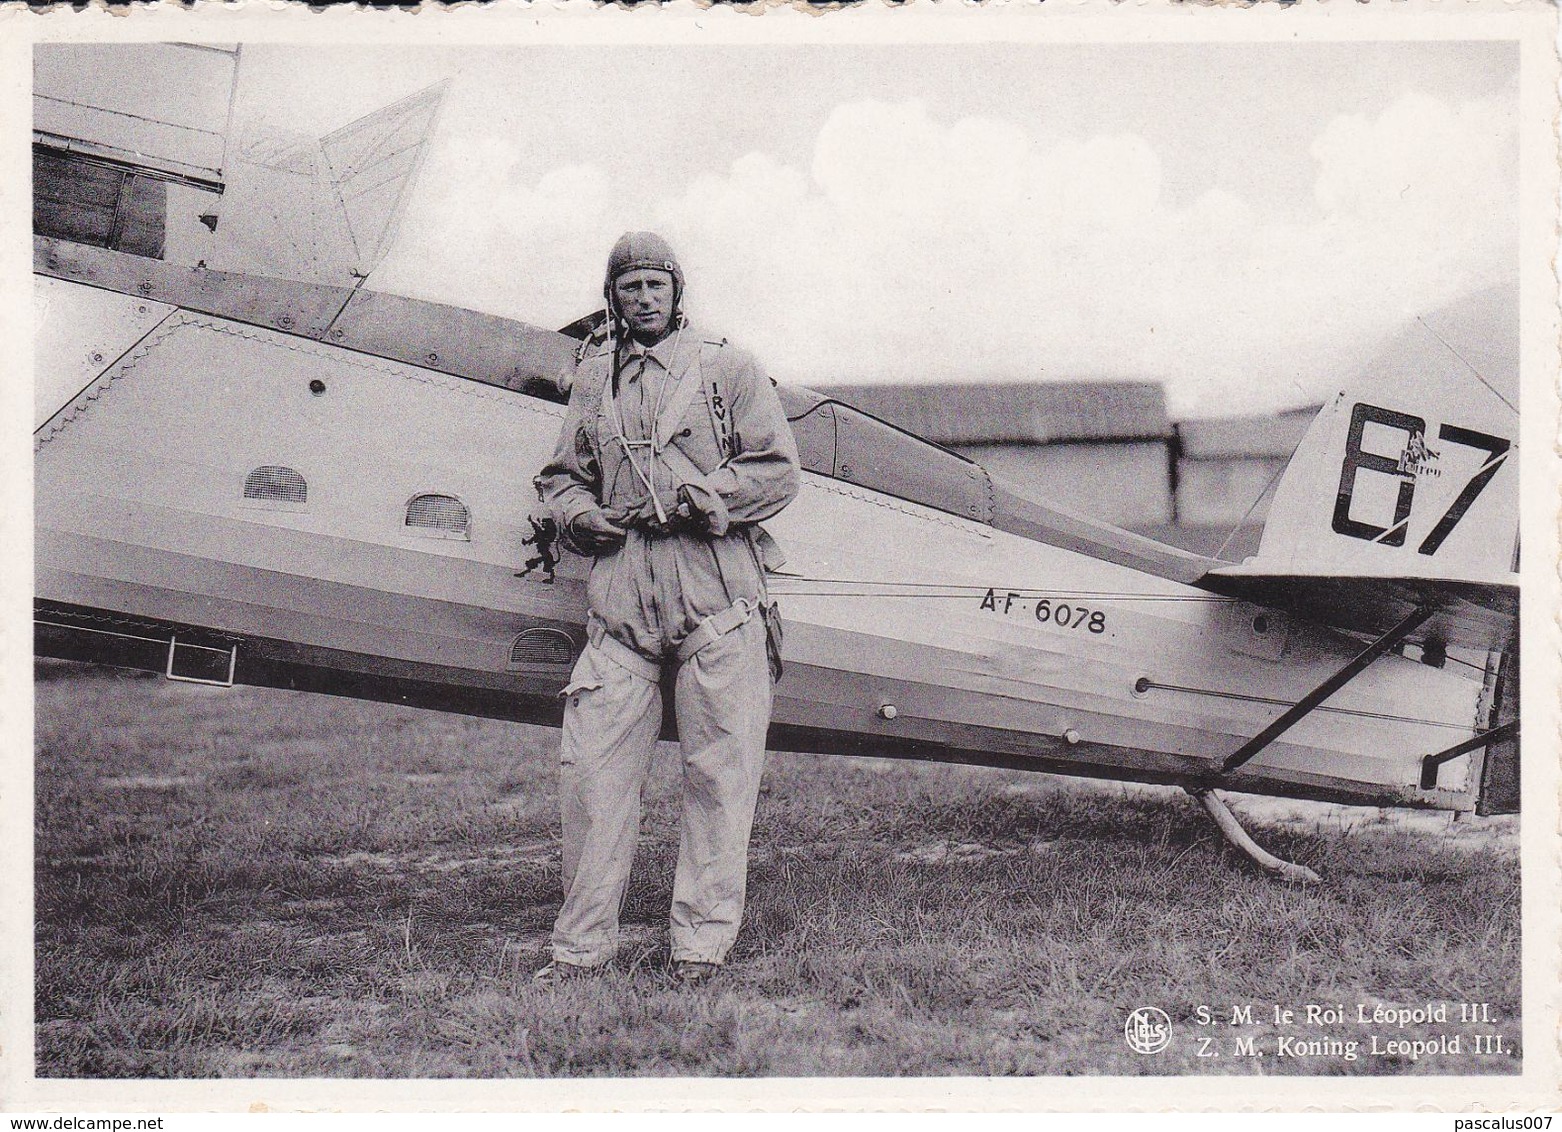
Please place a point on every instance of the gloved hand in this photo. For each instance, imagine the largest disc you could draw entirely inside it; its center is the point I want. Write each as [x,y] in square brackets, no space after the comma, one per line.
[695,503]
[594,533]
[678,517]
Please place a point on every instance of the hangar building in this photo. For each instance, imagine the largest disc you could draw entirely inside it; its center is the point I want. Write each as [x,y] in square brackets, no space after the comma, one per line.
[1107,449]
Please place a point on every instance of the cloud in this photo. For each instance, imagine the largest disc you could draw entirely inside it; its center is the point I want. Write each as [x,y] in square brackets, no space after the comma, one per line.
[915,249]
[484,238]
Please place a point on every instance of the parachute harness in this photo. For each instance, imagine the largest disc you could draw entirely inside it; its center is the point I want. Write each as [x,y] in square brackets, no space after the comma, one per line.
[612,410]
[615,418]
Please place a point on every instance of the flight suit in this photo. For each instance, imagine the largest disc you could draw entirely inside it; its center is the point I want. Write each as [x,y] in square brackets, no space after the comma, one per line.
[696,414]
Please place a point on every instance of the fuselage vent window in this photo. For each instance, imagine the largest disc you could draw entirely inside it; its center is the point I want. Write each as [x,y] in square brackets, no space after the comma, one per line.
[273,483]
[441,516]
[542,646]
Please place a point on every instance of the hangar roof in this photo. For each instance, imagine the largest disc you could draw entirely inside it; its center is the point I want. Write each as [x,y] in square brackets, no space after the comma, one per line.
[1274,437]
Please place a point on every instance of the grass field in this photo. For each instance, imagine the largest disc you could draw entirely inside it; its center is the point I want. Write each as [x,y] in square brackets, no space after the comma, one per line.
[250,882]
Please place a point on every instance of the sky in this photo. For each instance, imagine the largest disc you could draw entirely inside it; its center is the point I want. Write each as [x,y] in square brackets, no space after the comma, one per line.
[1246,223]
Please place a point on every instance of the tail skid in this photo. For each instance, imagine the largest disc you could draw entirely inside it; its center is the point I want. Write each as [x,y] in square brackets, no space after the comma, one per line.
[1215,806]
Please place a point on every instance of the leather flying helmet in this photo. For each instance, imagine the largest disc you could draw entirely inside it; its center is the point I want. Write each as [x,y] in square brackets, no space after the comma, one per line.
[642,250]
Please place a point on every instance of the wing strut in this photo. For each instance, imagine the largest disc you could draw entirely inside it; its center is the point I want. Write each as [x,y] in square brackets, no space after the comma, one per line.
[1293,715]
[1431,764]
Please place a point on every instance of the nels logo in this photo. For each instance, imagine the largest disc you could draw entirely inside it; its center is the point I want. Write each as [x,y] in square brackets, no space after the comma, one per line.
[1417,459]
[1148,1030]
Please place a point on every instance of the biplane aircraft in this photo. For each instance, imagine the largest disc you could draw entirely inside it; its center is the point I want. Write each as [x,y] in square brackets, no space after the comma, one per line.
[263,477]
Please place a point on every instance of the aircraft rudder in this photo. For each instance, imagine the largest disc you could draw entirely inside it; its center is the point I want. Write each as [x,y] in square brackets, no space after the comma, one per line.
[1410,472]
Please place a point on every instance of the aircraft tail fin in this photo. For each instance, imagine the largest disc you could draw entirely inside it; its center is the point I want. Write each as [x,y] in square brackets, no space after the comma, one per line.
[1413,474]
[323,210]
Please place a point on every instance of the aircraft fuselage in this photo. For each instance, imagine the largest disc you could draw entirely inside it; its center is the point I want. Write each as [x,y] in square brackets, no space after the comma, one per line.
[220,495]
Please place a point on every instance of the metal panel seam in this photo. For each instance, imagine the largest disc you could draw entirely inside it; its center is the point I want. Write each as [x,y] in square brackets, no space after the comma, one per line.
[375,364]
[894,503]
[99,385]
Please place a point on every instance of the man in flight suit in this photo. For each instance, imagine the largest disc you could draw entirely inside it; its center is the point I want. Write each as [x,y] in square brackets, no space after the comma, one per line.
[673,449]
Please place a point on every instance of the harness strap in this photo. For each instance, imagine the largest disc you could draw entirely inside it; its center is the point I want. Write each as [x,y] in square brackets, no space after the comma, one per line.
[686,379]
[682,381]
[681,465]
[620,653]
[716,626]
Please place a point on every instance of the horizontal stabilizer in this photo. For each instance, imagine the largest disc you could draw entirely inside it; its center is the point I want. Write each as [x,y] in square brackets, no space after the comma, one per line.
[1467,615]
